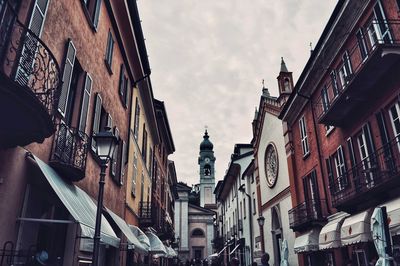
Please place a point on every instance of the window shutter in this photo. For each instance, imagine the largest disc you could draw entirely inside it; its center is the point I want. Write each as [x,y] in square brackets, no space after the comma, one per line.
[67,75]
[123,162]
[122,82]
[96,119]
[96,13]
[85,103]
[114,161]
[128,91]
[109,121]
[30,44]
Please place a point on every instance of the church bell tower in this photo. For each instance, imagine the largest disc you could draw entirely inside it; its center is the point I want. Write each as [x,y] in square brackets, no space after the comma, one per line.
[207,171]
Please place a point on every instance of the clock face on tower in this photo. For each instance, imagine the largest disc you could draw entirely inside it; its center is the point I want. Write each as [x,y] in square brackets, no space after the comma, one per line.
[207,160]
[271,165]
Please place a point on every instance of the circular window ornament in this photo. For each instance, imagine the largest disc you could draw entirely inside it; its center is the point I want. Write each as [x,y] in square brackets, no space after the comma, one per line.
[271,164]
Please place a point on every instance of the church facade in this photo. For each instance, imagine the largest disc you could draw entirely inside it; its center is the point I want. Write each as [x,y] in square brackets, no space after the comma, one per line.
[195,209]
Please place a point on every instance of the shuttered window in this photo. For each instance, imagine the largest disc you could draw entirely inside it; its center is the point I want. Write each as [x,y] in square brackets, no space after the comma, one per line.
[340,165]
[134,175]
[30,44]
[144,144]
[128,92]
[137,118]
[109,52]
[96,119]
[115,158]
[92,11]
[85,103]
[67,75]
[123,161]
[122,85]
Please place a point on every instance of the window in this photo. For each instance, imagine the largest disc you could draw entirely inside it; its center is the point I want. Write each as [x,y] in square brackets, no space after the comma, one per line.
[340,168]
[137,118]
[92,11]
[76,87]
[361,44]
[144,144]
[241,210]
[207,170]
[109,52]
[395,119]
[254,204]
[124,87]
[331,177]
[398,5]
[244,208]
[345,70]
[351,152]
[325,99]
[335,86]
[361,258]
[303,135]
[134,174]
[29,52]
[198,233]
[366,149]
[101,119]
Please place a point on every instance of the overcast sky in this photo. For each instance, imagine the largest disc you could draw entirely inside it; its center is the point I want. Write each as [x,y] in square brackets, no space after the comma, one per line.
[208,58]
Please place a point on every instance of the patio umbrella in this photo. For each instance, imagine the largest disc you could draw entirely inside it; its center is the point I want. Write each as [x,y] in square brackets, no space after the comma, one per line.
[284,253]
[379,237]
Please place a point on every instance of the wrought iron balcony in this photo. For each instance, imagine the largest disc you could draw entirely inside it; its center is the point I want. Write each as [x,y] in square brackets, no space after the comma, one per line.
[30,82]
[69,154]
[308,213]
[371,58]
[370,182]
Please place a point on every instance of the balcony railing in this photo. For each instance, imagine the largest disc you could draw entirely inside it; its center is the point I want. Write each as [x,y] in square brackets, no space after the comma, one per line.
[145,217]
[70,150]
[369,58]
[375,175]
[26,59]
[308,213]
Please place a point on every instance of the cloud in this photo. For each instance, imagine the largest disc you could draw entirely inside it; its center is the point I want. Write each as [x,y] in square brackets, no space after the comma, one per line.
[208,59]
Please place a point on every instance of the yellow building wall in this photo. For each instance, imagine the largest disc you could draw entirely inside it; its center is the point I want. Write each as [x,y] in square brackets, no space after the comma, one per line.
[135,154]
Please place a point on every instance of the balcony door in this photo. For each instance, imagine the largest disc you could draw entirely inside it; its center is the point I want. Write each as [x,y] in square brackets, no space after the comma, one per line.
[378,29]
[311,194]
[365,146]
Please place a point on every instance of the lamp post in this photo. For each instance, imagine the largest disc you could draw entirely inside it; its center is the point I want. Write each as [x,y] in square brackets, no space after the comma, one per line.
[105,146]
[242,189]
[261,221]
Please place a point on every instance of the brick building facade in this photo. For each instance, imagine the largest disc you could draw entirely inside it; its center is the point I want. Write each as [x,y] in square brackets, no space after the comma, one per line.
[341,127]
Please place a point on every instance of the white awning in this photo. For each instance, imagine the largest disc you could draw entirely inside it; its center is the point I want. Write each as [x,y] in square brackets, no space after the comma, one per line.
[393,214]
[233,250]
[143,239]
[329,237]
[170,252]
[79,204]
[307,242]
[132,239]
[356,229]
[156,246]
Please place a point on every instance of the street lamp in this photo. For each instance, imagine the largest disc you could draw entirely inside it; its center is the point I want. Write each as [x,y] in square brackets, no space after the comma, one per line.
[261,220]
[105,146]
[243,190]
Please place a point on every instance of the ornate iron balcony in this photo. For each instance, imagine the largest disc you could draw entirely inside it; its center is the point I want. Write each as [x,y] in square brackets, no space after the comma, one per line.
[145,214]
[30,76]
[371,179]
[70,152]
[307,213]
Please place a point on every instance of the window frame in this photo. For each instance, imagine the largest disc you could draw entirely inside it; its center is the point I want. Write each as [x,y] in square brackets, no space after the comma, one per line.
[303,137]
[109,52]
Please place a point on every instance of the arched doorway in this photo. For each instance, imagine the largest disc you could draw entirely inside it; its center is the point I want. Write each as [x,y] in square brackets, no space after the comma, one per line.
[276,234]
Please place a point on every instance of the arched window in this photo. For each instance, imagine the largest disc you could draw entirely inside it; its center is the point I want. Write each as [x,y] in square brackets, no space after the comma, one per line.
[197,233]
[207,170]
[286,85]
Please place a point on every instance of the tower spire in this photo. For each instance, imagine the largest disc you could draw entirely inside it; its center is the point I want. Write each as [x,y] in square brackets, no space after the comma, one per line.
[283,66]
